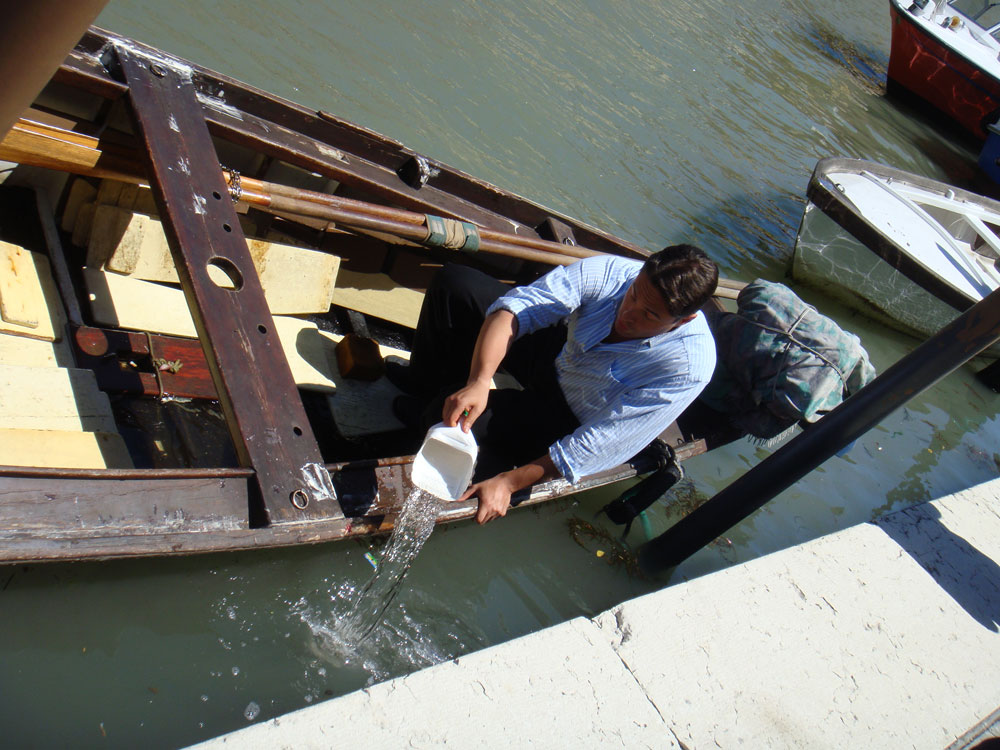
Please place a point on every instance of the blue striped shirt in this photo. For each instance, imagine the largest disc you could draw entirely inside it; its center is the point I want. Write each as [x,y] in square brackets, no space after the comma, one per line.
[624,394]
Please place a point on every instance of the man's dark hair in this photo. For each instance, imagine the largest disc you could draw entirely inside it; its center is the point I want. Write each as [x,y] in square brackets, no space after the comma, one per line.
[685,277]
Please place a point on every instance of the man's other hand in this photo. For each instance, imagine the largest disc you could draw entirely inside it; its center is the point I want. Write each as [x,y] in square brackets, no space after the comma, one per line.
[494,497]
[464,407]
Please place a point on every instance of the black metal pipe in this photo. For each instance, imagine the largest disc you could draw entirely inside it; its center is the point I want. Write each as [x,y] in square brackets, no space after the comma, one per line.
[950,348]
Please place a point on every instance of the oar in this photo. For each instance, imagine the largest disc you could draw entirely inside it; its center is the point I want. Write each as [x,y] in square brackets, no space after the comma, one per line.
[36,144]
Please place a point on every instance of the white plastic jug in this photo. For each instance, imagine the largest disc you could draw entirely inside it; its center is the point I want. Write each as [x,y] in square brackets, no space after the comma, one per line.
[445,463]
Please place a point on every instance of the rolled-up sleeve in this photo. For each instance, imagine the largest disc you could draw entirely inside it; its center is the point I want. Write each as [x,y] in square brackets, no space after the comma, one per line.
[623,430]
[554,296]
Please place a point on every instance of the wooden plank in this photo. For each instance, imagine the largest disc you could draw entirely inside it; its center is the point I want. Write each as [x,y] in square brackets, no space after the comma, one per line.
[120,301]
[295,280]
[268,424]
[359,408]
[80,192]
[53,398]
[63,449]
[25,352]
[21,299]
[26,283]
[378,295]
[82,224]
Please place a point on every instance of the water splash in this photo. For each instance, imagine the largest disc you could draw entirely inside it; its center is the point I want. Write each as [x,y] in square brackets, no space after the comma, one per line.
[356,629]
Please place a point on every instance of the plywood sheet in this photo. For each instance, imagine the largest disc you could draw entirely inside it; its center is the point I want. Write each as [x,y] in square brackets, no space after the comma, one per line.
[29,303]
[378,295]
[63,449]
[52,398]
[296,280]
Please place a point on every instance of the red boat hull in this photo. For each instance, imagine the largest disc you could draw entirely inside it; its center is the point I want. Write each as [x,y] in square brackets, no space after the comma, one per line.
[921,64]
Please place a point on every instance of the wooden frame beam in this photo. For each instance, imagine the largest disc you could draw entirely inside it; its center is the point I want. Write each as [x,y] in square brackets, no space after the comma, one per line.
[265,415]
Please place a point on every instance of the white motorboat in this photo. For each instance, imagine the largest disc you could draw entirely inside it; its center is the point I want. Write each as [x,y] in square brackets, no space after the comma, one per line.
[910,251]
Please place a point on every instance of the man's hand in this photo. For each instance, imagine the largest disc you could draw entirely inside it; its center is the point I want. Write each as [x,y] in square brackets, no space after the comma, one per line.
[495,337]
[494,497]
[494,494]
[464,406]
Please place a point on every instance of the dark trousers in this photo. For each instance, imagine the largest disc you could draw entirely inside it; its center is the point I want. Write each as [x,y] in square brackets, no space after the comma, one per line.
[518,425]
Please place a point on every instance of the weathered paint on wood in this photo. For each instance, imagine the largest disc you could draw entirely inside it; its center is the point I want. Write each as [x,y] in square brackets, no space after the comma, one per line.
[21,299]
[29,303]
[80,193]
[268,424]
[25,352]
[117,300]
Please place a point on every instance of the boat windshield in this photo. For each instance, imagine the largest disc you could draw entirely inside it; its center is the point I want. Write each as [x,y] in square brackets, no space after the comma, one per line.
[986,13]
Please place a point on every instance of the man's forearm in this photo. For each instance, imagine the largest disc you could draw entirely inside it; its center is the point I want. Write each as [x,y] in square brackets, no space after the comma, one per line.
[540,470]
[495,337]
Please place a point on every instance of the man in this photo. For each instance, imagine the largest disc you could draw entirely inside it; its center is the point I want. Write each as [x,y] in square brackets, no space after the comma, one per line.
[609,352]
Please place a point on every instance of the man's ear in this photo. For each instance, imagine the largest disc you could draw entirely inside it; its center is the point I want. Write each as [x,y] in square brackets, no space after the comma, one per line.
[682,321]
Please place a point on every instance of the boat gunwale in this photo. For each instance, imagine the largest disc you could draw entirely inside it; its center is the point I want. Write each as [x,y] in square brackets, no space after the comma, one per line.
[822,192]
[81,66]
[85,543]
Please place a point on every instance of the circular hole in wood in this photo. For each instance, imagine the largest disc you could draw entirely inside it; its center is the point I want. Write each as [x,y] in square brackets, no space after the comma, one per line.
[262,328]
[233,278]
[297,430]
[215,194]
[227,227]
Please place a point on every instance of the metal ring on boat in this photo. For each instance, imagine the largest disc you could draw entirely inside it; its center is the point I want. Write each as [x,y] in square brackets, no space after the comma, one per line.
[299,499]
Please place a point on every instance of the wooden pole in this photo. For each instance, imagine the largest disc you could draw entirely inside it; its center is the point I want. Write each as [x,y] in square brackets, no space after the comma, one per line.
[41,145]
[47,146]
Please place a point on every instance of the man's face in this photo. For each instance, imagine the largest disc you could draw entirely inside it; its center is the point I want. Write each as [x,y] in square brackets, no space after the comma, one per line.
[643,314]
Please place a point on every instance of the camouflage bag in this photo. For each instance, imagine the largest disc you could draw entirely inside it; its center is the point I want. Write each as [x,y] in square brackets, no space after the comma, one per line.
[781,363]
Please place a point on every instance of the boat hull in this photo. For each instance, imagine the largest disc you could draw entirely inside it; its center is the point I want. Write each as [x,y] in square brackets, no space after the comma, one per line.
[838,251]
[177,503]
[924,66]
[828,258]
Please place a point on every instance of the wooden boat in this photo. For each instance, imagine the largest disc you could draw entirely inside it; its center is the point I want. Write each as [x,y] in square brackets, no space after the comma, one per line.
[947,54]
[179,390]
[910,251]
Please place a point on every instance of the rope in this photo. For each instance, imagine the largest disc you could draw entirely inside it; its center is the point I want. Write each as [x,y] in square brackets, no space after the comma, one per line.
[234,183]
[452,234]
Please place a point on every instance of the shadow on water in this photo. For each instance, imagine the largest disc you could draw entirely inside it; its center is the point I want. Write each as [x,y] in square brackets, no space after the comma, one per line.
[970,577]
[868,65]
[752,233]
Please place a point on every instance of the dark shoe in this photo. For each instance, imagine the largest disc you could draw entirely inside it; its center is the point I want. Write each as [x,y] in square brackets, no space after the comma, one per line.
[409,410]
[401,376]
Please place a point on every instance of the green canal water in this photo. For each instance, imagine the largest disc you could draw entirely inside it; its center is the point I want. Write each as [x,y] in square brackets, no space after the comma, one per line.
[661,122]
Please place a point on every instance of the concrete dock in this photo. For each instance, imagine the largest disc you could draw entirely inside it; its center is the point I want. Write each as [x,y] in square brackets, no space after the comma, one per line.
[884,635]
